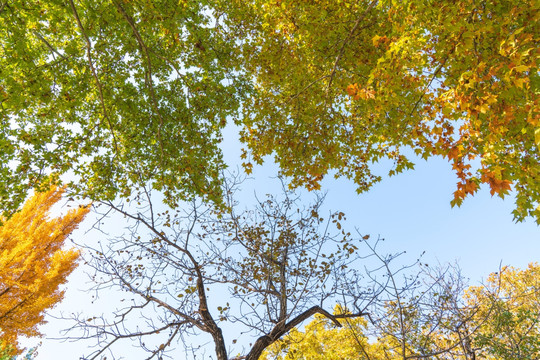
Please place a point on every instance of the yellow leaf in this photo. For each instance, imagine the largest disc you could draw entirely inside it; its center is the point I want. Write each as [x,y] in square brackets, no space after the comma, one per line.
[522,68]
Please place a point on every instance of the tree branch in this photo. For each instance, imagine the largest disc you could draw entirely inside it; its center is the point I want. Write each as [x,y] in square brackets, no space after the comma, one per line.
[53,50]
[279,330]
[342,49]
[94,73]
[148,78]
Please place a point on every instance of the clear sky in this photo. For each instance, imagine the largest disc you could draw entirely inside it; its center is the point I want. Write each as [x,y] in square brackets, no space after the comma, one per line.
[411,211]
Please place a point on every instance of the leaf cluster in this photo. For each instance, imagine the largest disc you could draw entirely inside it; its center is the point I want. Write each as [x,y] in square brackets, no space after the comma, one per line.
[132,92]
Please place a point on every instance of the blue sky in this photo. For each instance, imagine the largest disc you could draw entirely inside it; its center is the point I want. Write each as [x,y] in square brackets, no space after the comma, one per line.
[411,211]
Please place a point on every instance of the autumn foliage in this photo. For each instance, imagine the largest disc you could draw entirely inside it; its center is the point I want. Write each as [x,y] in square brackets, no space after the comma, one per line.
[142,91]
[511,301]
[33,264]
[342,85]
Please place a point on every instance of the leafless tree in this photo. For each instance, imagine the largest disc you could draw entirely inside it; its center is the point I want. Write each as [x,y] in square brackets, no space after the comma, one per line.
[200,270]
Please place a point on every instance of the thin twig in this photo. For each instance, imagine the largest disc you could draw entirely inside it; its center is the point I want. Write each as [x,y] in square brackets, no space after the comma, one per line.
[40,37]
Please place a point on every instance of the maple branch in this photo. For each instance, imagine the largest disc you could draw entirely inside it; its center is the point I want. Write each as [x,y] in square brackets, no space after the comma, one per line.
[342,49]
[148,76]
[172,64]
[53,50]
[427,86]
[94,73]
[435,73]
[307,87]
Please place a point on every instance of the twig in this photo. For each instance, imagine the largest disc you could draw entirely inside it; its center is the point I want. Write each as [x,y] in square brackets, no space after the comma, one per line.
[40,37]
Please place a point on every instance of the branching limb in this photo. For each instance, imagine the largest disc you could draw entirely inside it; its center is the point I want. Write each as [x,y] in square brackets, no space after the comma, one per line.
[281,329]
[94,72]
[342,49]
[148,78]
[53,50]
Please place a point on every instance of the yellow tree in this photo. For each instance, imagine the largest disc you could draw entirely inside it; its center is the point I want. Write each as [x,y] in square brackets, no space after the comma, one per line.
[321,340]
[498,320]
[511,301]
[33,264]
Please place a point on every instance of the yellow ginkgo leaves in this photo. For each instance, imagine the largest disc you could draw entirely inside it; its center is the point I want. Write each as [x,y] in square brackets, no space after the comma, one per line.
[33,264]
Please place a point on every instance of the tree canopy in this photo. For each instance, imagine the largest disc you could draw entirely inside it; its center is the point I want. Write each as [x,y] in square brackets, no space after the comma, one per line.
[118,99]
[122,93]
[33,265]
[115,94]
[343,84]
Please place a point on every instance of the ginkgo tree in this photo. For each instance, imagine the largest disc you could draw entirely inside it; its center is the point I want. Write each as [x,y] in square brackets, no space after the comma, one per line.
[33,264]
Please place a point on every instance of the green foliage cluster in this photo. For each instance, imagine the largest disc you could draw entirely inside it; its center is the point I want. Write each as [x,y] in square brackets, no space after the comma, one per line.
[116,94]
